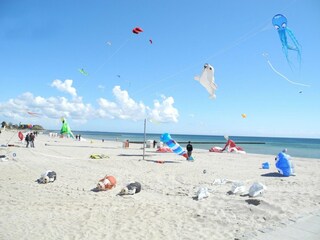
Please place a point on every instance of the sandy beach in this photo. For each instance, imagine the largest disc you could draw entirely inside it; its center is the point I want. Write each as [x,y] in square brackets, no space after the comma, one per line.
[166,207]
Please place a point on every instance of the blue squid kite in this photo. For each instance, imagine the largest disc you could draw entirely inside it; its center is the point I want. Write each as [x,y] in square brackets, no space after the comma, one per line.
[280,23]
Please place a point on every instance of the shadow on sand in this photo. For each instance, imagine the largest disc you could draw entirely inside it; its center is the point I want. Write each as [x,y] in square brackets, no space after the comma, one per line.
[273,174]
[161,161]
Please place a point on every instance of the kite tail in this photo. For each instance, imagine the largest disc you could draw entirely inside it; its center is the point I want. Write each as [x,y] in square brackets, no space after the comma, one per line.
[285,47]
[281,75]
[297,46]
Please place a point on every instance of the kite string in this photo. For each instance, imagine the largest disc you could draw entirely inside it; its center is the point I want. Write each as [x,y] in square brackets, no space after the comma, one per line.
[112,55]
[262,27]
[245,37]
[280,74]
[254,31]
[108,59]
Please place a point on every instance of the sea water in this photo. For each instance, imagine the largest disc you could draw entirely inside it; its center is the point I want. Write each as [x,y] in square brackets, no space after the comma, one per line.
[297,147]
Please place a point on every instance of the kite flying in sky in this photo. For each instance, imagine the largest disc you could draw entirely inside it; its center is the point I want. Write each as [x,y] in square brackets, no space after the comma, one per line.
[82,71]
[34,114]
[207,79]
[280,23]
[137,30]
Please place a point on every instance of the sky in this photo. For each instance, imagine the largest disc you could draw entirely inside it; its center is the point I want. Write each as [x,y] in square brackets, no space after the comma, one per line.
[44,44]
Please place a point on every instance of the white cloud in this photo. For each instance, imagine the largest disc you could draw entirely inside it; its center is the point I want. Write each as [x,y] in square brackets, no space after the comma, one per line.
[123,107]
[65,86]
[164,111]
[52,107]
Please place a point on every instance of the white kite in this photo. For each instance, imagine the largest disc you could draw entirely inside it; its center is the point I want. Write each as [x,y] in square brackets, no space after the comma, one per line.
[207,79]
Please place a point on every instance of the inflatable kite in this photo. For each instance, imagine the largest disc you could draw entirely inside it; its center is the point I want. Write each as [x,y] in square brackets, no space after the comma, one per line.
[82,71]
[284,164]
[47,177]
[164,149]
[206,79]
[65,129]
[230,146]
[173,145]
[131,189]
[137,30]
[256,189]
[20,135]
[33,114]
[280,23]
[106,183]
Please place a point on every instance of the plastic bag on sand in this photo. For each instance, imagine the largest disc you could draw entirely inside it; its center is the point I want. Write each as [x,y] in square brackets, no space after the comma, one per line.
[238,188]
[256,189]
[202,193]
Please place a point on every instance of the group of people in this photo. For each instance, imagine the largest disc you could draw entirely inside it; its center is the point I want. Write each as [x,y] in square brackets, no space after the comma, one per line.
[30,139]
[78,137]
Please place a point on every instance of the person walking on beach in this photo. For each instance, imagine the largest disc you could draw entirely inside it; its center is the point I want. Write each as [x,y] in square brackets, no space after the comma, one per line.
[189,148]
[32,137]
[27,139]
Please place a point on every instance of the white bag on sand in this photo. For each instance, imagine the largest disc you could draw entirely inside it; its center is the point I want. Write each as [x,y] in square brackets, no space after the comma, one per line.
[202,193]
[238,188]
[256,189]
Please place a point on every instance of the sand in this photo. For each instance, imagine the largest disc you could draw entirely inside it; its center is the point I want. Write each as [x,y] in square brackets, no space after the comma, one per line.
[166,207]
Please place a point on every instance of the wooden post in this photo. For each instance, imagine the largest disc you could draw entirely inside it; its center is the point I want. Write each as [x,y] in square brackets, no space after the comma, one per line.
[144,141]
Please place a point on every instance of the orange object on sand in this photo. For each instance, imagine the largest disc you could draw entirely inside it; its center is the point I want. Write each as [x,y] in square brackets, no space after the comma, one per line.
[106,183]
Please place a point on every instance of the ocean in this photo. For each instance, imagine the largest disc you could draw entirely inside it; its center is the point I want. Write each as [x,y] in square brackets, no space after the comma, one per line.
[297,147]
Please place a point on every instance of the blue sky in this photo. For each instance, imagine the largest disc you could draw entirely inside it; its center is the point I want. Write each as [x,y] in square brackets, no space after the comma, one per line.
[43,44]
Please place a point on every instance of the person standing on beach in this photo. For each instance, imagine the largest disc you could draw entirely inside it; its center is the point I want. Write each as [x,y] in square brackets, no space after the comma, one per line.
[27,139]
[189,148]
[32,137]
